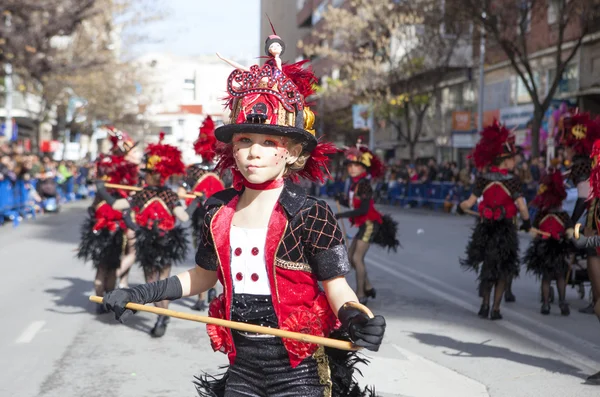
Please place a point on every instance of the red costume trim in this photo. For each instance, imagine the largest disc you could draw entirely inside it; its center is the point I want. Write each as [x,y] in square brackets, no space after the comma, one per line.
[297,300]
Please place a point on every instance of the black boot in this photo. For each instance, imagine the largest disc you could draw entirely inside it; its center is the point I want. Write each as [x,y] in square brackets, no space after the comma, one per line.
[212,294]
[593,379]
[545,309]
[484,311]
[160,327]
[509,296]
[587,310]
[564,308]
[496,315]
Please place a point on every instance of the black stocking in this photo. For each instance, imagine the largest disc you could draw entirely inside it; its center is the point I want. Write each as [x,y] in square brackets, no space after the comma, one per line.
[546,290]
[358,262]
[485,290]
[561,285]
[498,292]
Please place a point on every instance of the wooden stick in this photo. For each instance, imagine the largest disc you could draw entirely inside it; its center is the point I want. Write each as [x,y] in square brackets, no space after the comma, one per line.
[339,209]
[533,229]
[137,189]
[318,340]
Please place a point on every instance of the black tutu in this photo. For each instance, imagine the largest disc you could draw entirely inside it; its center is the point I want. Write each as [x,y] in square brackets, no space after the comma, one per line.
[386,235]
[102,247]
[547,257]
[154,249]
[495,246]
[342,366]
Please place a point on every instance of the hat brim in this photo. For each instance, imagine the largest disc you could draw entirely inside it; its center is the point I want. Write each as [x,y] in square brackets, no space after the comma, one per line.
[225,133]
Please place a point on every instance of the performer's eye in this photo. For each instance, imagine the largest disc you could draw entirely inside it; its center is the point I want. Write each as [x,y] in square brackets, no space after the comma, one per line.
[269,142]
[243,139]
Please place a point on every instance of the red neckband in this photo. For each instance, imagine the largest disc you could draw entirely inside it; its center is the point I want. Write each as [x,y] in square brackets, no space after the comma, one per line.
[268,185]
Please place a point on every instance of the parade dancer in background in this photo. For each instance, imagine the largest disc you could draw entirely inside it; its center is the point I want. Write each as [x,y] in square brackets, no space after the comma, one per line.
[200,178]
[103,234]
[547,257]
[494,245]
[270,245]
[373,227]
[159,241]
[591,240]
[579,132]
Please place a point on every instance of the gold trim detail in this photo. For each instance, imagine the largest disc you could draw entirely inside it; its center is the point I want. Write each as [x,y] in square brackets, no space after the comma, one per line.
[100,204]
[323,370]
[501,185]
[368,231]
[289,265]
[553,216]
[153,199]
[275,261]
[203,177]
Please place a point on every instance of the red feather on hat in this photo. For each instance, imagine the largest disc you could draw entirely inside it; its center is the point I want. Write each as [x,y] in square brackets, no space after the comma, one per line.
[169,158]
[552,191]
[205,144]
[490,145]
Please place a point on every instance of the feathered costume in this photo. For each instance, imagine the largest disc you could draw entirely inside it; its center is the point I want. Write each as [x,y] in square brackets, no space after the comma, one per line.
[199,178]
[494,245]
[159,240]
[103,231]
[372,225]
[546,257]
[303,245]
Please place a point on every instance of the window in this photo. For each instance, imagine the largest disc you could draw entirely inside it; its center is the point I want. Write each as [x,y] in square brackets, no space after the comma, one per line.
[522,95]
[569,81]
[555,7]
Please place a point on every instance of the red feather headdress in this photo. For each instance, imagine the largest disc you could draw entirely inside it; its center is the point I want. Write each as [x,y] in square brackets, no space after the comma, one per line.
[496,141]
[163,159]
[579,132]
[362,155]
[551,192]
[113,168]
[205,144]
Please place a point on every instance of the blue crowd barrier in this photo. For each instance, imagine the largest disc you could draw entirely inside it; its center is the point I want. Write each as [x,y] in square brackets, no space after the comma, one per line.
[432,194]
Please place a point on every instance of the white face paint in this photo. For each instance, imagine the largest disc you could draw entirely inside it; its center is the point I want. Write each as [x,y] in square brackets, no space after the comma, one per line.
[261,158]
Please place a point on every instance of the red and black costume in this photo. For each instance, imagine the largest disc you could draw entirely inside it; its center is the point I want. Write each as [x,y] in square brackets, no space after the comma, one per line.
[373,227]
[103,232]
[160,241]
[547,256]
[200,178]
[493,250]
[303,246]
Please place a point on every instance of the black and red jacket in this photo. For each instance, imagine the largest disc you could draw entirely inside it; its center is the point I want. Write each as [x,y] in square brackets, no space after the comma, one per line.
[499,189]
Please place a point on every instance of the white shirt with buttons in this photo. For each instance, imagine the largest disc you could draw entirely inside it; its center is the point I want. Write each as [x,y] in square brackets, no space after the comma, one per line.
[248,265]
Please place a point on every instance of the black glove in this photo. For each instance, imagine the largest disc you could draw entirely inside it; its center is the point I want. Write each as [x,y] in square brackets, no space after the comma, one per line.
[128,219]
[526,225]
[193,206]
[101,189]
[167,289]
[459,210]
[580,242]
[364,331]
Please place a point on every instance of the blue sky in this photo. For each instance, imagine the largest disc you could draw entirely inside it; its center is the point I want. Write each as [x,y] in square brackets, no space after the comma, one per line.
[199,27]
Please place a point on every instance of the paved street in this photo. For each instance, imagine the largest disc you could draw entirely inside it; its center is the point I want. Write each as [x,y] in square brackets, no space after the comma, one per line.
[52,343]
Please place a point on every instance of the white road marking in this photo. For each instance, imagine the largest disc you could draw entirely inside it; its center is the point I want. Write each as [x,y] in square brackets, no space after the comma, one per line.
[584,362]
[30,332]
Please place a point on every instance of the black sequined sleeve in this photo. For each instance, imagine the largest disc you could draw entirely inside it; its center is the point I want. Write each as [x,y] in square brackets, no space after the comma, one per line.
[206,255]
[364,190]
[324,245]
[480,184]
[538,218]
[515,187]
[138,200]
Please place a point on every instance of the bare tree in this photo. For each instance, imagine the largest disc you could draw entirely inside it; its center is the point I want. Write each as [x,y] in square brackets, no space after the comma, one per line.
[392,55]
[508,23]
